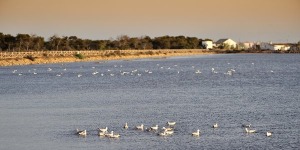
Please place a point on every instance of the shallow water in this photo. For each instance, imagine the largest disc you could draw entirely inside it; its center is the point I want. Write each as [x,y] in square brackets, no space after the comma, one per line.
[42,110]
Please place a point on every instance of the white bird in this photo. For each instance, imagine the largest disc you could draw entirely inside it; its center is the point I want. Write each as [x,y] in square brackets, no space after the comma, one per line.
[250,131]
[215,125]
[79,75]
[198,72]
[197,133]
[169,132]
[109,134]
[96,72]
[115,136]
[82,132]
[167,129]
[126,126]
[162,134]
[154,128]
[171,123]
[102,133]
[269,134]
[103,129]
[246,125]
[141,127]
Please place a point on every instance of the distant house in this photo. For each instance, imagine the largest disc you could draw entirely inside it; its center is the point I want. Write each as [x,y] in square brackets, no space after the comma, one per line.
[226,42]
[246,45]
[207,44]
[275,46]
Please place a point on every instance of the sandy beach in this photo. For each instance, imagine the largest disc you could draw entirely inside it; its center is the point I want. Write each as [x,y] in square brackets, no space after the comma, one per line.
[113,55]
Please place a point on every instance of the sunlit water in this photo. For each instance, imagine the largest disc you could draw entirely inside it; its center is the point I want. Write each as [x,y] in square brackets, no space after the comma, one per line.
[40,108]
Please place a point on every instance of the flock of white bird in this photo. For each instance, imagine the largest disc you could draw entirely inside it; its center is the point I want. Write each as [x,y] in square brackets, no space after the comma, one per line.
[112,72]
[164,131]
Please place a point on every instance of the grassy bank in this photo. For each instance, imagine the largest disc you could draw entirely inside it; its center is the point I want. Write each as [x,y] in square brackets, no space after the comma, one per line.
[81,56]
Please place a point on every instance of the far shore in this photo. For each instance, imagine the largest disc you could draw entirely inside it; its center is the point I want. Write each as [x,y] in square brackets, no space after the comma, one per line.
[85,56]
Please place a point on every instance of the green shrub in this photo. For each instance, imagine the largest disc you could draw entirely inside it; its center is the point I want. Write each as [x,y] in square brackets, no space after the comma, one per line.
[79,56]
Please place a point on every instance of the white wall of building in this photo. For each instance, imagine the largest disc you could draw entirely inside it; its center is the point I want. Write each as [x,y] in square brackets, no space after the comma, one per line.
[230,42]
[274,47]
[207,44]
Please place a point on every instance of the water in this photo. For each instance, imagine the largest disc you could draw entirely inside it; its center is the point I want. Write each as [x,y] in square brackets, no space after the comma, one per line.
[42,110]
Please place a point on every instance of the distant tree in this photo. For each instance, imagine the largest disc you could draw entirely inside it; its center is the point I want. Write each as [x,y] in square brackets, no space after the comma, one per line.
[163,42]
[145,43]
[37,42]
[123,42]
[2,42]
[24,41]
[10,42]
[54,42]
[192,43]
[178,42]
[134,43]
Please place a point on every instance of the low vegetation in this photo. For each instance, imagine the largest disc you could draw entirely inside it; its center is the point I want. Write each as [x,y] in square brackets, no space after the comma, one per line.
[30,57]
[79,56]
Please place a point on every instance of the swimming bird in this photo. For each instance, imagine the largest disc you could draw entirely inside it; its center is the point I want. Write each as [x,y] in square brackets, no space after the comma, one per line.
[215,125]
[197,133]
[167,129]
[103,129]
[154,128]
[250,131]
[246,125]
[198,72]
[162,134]
[269,134]
[171,123]
[141,127]
[109,134]
[81,132]
[102,133]
[126,126]
[115,136]
[169,132]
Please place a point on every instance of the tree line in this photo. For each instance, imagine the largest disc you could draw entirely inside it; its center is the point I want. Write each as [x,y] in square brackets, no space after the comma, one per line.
[26,42]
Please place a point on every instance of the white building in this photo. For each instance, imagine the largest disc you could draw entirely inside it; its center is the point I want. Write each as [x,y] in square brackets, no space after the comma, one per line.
[246,45]
[207,44]
[229,42]
[275,46]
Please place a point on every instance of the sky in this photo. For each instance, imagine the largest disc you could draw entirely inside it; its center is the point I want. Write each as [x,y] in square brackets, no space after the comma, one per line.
[240,20]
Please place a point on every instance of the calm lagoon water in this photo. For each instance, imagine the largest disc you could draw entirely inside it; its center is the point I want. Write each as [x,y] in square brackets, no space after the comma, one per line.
[40,108]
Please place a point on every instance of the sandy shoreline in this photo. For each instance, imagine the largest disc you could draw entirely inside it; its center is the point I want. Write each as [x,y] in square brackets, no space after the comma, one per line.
[123,56]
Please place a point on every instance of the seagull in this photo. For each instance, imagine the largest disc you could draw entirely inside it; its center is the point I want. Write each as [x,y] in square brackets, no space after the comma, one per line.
[167,129]
[109,134]
[115,136]
[102,133]
[169,132]
[215,125]
[126,126]
[246,125]
[269,134]
[154,128]
[141,127]
[103,129]
[81,132]
[171,123]
[163,134]
[197,133]
[250,131]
